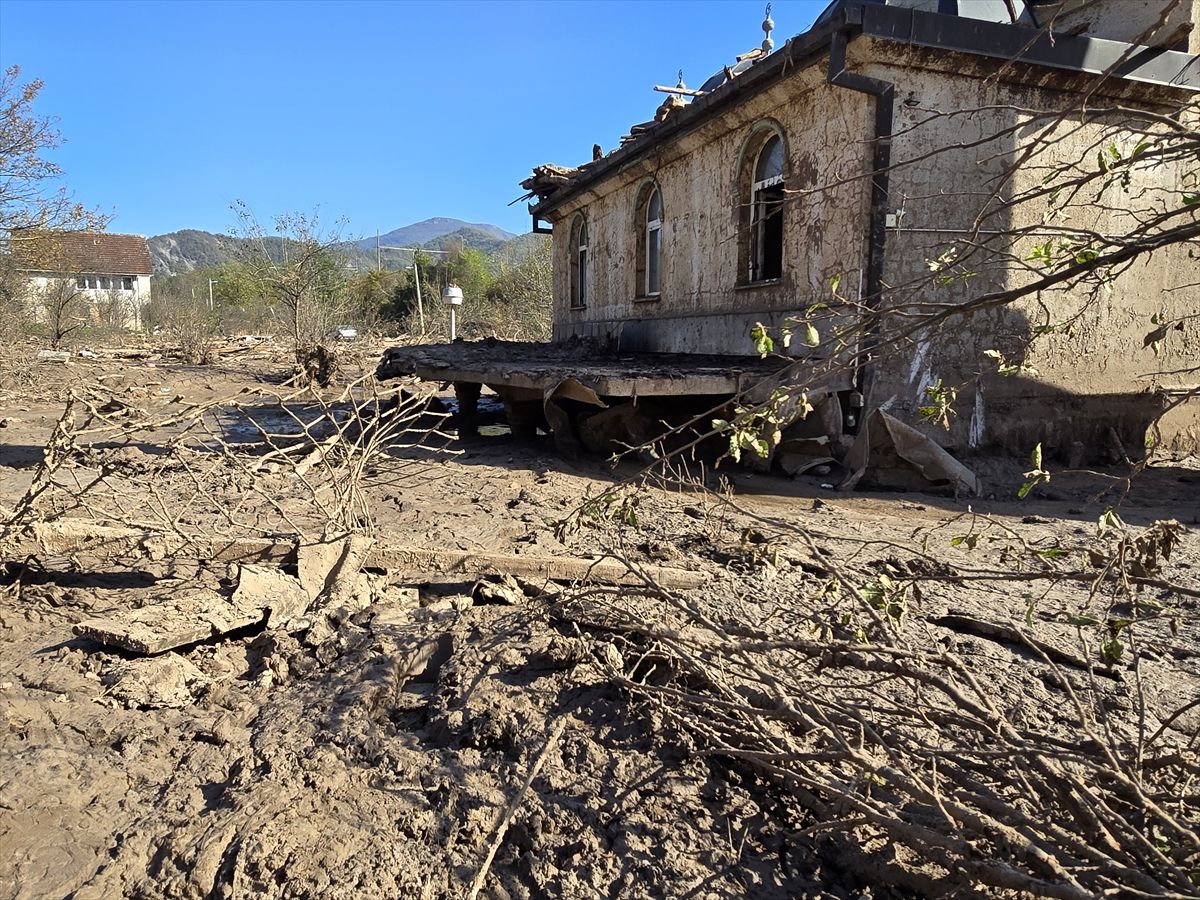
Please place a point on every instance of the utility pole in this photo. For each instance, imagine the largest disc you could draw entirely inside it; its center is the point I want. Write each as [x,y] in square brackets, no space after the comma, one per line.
[211,281]
[417,274]
[420,307]
[378,255]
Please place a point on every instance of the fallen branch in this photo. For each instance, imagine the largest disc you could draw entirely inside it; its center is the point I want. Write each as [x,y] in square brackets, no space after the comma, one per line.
[1006,634]
[513,805]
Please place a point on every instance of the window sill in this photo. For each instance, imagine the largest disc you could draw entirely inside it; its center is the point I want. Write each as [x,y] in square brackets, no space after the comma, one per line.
[751,285]
[574,308]
[648,298]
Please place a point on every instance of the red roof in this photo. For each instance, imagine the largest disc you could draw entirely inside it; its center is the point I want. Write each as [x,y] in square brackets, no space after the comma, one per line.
[82,252]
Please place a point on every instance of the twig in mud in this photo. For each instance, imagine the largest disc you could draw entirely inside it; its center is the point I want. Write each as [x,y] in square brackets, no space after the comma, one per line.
[511,810]
[869,719]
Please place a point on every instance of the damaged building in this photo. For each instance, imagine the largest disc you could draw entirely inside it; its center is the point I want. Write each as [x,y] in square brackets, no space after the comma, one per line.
[812,191]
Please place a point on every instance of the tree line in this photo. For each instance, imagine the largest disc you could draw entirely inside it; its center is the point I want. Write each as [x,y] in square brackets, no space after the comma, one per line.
[293,277]
[290,276]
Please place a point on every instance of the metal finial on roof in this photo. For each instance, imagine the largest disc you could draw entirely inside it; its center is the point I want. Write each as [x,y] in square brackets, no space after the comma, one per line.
[681,84]
[767,26]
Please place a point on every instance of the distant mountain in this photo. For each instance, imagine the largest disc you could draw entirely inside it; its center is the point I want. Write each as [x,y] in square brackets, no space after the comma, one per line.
[190,249]
[470,236]
[187,250]
[421,233]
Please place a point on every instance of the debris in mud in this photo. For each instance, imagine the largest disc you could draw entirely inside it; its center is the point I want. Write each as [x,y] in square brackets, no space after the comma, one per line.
[503,590]
[158,683]
[281,595]
[176,622]
[71,537]
[891,455]
[368,737]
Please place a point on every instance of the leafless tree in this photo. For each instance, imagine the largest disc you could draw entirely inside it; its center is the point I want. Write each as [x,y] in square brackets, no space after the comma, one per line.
[32,197]
[64,307]
[300,269]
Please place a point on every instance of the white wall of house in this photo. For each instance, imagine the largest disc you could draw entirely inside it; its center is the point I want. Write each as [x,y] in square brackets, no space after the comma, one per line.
[136,295]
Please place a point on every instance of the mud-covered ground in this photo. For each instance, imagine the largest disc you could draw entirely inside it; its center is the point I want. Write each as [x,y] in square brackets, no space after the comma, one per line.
[254,765]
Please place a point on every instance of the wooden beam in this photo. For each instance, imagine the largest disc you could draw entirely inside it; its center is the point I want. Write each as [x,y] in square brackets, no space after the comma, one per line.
[78,537]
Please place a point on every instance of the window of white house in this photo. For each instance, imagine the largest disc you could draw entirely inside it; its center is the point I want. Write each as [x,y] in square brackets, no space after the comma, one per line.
[649,250]
[766,211]
[579,263]
[105,282]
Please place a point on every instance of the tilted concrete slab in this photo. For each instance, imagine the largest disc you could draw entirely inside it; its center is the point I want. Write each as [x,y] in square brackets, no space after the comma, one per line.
[541,367]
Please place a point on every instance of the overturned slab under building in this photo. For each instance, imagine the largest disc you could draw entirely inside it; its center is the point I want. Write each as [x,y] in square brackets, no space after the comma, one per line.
[586,394]
[885,188]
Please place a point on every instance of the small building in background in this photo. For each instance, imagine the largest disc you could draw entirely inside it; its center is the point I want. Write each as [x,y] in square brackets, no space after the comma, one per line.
[110,272]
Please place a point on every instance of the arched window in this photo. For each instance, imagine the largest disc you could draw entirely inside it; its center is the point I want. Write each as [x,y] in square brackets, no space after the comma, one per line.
[579,263]
[649,225]
[766,212]
[759,209]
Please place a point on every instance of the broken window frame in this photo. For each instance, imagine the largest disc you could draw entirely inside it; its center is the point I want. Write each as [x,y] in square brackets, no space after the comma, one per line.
[578,253]
[766,215]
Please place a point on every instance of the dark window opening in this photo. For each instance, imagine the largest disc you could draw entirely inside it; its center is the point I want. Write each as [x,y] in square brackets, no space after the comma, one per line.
[768,234]
[649,245]
[762,252]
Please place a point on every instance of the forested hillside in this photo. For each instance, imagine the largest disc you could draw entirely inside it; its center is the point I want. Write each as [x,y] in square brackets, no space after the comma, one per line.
[190,249]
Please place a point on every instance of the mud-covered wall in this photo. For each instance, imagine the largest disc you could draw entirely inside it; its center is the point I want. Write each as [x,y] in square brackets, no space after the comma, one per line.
[702,308]
[960,137]
[1093,383]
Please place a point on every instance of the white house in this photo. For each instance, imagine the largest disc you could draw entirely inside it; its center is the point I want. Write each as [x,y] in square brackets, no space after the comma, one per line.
[105,268]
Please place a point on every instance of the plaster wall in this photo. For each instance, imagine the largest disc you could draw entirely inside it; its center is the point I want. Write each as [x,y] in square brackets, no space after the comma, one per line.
[702,308]
[134,300]
[1096,380]
[1155,23]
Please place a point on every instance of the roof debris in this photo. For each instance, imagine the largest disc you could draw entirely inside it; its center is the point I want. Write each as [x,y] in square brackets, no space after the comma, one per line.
[547,179]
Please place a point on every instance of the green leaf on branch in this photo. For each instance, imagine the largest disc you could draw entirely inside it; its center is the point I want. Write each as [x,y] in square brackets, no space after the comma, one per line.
[1007,369]
[1035,476]
[762,340]
[941,407]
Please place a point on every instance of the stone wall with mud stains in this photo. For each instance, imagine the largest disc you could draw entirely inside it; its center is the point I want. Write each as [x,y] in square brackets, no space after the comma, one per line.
[1095,387]
[958,152]
[1131,21]
[702,308]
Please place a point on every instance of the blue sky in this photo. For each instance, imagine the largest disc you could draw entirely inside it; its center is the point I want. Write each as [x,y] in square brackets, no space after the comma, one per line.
[383,113]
